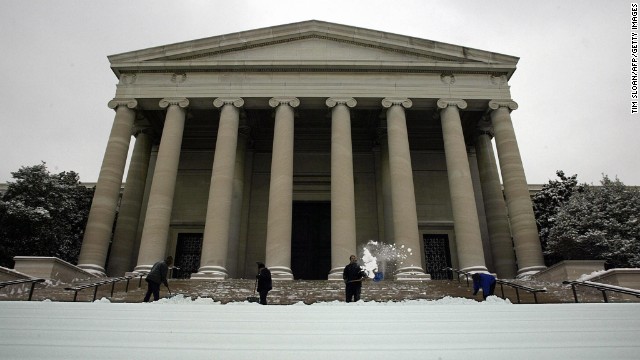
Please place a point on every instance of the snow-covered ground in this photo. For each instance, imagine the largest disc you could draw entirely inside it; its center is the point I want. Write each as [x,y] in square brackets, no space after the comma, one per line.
[451,328]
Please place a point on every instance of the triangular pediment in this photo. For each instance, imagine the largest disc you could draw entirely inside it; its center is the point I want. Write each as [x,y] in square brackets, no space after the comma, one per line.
[313,45]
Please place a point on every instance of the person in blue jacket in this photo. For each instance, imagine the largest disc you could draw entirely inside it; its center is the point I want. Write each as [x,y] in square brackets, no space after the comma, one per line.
[485,281]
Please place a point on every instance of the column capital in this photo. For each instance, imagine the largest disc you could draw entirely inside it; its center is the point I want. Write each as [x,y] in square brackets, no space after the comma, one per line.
[390,101]
[235,101]
[348,101]
[128,102]
[291,101]
[444,103]
[182,102]
[498,103]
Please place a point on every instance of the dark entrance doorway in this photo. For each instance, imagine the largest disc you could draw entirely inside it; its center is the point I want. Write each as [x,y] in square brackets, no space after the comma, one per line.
[437,255]
[311,240]
[188,251]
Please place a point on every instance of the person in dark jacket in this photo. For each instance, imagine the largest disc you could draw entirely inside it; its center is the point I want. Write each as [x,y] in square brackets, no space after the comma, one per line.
[485,281]
[264,282]
[157,276]
[353,276]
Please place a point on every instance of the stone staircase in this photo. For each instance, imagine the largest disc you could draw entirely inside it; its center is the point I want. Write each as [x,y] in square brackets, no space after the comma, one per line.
[291,292]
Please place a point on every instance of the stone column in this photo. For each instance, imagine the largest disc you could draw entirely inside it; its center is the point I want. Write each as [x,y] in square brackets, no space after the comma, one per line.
[215,241]
[463,203]
[405,217]
[153,244]
[343,210]
[495,208]
[385,179]
[124,236]
[238,200]
[523,222]
[278,247]
[95,244]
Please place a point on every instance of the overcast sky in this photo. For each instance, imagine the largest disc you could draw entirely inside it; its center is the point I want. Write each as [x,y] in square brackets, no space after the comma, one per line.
[572,83]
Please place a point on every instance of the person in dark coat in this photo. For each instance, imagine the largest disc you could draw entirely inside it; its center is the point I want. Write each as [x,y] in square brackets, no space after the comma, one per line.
[157,276]
[353,276]
[264,282]
[485,281]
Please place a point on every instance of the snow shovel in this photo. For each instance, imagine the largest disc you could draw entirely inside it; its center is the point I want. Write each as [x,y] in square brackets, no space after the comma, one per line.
[254,298]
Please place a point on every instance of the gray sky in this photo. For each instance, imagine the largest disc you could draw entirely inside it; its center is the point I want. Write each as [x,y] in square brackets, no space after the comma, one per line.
[572,83]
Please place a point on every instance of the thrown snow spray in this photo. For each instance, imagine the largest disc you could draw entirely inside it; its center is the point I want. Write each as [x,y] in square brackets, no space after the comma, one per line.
[381,257]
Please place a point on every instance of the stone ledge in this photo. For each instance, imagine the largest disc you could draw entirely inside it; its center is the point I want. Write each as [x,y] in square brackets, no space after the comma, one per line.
[50,268]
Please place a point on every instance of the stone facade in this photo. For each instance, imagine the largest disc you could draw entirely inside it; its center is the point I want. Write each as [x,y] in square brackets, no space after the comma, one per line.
[297,144]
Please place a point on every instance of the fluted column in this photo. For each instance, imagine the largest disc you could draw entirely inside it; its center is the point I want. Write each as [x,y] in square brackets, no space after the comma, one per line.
[155,233]
[523,222]
[463,204]
[215,242]
[343,210]
[495,207]
[95,244]
[405,217]
[278,247]
[124,236]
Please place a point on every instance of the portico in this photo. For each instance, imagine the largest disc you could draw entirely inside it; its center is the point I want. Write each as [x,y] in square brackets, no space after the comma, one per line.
[395,133]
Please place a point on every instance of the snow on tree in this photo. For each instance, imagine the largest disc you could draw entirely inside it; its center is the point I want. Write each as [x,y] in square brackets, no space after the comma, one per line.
[598,223]
[43,214]
[548,202]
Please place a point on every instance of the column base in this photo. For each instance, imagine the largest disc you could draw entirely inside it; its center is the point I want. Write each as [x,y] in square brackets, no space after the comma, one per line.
[211,273]
[528,271]
[281,273]
[411,273]
[336,274]
[93,269]
[475,269]
[142,269]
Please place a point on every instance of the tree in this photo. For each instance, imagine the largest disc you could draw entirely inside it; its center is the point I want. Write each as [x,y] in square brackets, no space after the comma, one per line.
[43,214]
[599,223]
[548,202]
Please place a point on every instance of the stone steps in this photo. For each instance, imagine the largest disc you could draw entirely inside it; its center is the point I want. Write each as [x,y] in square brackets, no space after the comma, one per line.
[291,292]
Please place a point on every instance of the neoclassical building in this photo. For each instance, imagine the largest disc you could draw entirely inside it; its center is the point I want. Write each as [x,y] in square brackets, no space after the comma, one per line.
[297,144]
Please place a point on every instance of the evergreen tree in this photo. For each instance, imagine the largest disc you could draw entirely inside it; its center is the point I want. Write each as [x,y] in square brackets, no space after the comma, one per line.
[548,202]
[43,214]
[599,223]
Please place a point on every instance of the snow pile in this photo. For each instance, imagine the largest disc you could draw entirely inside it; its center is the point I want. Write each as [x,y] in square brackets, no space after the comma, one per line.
[180,299]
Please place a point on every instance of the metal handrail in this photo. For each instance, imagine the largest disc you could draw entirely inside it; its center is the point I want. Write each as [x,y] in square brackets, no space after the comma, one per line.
[602,287]
[33,282]
[517,287]
[97,284]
